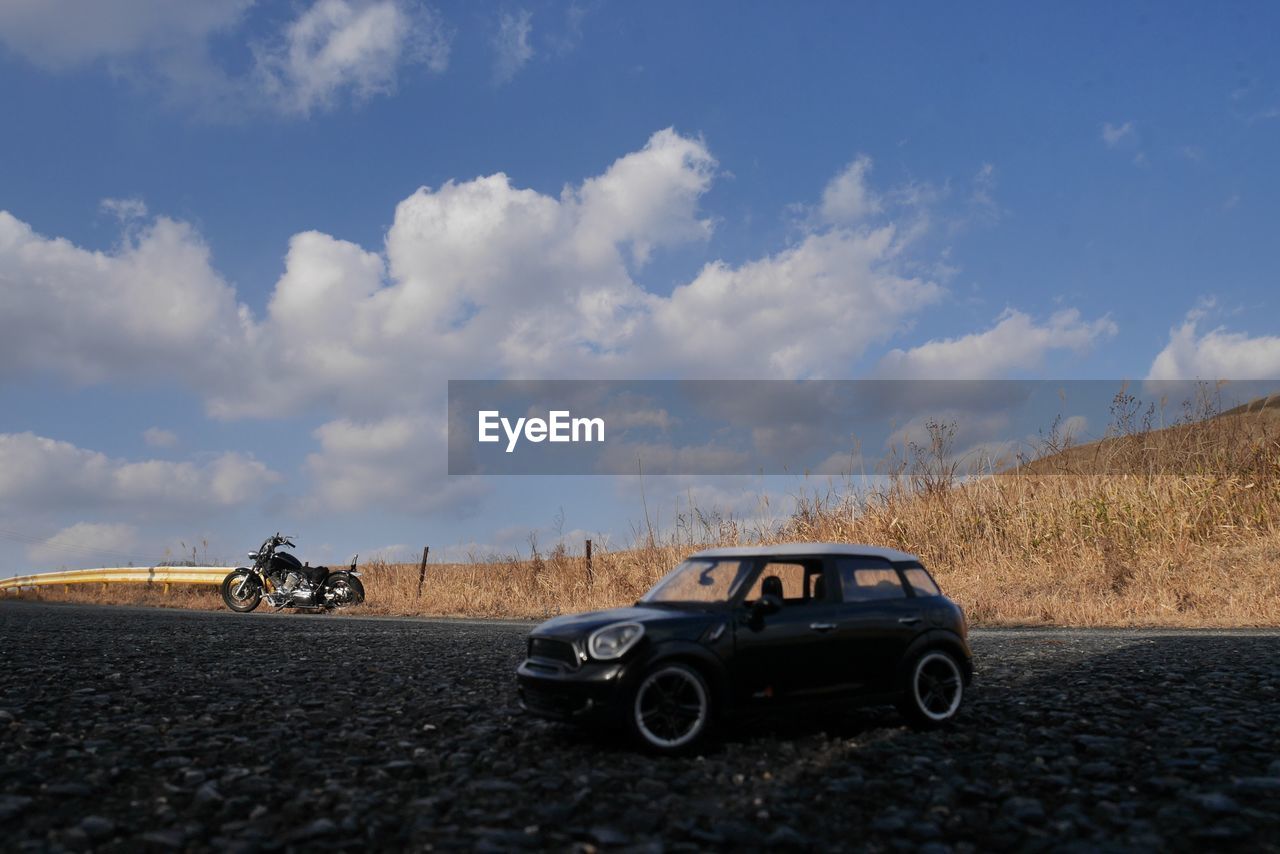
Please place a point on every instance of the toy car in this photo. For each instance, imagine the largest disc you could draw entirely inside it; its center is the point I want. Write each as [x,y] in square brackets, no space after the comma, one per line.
[731,629]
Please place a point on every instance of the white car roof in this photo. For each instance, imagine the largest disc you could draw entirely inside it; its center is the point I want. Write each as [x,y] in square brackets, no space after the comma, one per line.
[808,550]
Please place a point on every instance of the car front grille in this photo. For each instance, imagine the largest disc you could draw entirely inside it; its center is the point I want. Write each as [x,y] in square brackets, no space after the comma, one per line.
[553,705]
[553,650]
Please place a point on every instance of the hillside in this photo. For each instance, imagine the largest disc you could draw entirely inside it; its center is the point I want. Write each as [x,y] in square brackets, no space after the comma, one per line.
[1176,527]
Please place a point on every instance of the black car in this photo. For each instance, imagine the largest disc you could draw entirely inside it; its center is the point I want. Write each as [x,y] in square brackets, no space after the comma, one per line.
[732,629]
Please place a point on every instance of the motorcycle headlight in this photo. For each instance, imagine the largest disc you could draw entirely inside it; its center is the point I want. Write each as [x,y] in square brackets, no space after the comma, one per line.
[614,641]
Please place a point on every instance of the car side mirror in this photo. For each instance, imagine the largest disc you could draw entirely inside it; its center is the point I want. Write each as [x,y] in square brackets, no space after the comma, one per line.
[767,604]
[764,606]
[760,608]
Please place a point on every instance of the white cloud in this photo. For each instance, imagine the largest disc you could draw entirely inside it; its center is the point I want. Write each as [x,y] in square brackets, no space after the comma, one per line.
[1215,355]
[523,282]
[647,199]
[511,47]
[331,49]
[339,46]
[479,278]
[756,320]
[86,542]
[847,199]
[152,307]
[37,472]
[1015,343]
[158,437]
[395,463]
[1115,135]
[58,34]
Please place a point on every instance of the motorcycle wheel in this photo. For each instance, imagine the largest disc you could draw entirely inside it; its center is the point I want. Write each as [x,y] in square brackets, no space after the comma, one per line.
[241,591]
[346,589]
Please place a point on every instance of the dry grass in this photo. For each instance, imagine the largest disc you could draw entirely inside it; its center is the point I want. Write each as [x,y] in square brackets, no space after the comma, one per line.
[1176,527]
[148,595]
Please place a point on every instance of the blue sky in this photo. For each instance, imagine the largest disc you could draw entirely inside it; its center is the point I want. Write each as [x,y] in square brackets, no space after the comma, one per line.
[692,190]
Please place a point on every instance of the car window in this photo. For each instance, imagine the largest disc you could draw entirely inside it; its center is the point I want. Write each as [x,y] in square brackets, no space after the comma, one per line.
[800,582]
[921,583]
[703,580]
[863,580]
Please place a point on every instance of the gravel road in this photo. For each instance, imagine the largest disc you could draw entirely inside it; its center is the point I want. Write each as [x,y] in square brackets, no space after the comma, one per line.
[127,729]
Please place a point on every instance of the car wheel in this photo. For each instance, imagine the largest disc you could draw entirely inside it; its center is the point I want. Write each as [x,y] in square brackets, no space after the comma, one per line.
[670,711]
[934,689]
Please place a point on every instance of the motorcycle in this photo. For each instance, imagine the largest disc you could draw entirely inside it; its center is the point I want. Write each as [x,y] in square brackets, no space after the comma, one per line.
[282,580]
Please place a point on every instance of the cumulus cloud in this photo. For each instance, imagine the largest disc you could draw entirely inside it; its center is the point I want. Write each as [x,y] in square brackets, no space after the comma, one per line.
[395,463]
[347,46]
[484,279]
[477,278]
[511,48]
[1216,354]
[331,49]
[1015,343]
[38,473]
[152,307]
[753,321]
[847,198]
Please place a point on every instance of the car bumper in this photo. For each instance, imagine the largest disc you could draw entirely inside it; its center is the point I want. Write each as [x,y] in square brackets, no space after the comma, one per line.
[593,691]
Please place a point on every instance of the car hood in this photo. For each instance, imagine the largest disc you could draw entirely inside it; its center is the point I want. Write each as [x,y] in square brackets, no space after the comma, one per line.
[577,625]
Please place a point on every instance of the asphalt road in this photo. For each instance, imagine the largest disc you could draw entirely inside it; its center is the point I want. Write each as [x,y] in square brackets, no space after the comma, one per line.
[127,729]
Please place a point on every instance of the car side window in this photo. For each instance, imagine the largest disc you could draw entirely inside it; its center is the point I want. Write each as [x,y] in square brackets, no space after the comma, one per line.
[799,582]
[921,583]
[868,580]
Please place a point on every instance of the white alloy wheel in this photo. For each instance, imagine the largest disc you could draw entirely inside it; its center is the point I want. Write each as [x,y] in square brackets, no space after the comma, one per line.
[671,707]
[937,686]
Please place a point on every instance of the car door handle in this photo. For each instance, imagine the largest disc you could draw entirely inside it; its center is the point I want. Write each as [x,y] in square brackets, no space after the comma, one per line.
[822,627]
[908,620]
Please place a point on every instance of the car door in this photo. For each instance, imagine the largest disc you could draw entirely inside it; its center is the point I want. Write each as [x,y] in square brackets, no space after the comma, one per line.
[787,654]
[879,620]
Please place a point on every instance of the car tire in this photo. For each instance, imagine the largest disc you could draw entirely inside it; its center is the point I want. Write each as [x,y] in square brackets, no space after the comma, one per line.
[932,689]
[669,712]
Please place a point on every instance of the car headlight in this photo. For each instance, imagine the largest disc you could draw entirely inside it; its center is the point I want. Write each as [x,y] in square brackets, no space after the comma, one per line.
[614,641]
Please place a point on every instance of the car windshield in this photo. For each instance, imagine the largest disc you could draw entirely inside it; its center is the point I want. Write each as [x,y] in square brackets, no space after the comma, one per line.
[701,581]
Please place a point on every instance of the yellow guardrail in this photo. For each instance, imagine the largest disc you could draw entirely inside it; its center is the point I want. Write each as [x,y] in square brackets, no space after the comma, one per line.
[122,575]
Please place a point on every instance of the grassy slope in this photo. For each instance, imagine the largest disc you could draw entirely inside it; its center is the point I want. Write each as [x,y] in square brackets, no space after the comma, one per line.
[1177,527]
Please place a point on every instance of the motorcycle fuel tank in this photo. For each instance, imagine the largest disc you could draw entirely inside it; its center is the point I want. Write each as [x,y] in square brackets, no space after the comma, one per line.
[284,562]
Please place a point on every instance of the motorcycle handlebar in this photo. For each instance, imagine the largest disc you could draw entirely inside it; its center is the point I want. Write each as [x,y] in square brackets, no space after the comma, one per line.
[271,543]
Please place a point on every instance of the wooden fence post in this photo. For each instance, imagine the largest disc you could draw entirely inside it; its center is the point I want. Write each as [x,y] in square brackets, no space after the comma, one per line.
[591,574]
[422,569]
